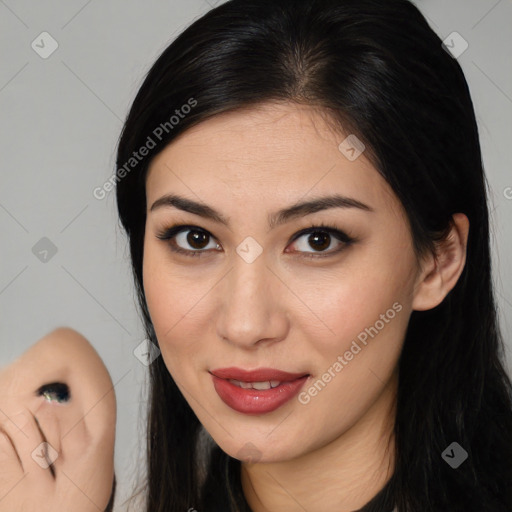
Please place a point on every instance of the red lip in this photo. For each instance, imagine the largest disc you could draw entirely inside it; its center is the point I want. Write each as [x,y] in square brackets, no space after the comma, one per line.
[257,375]
[254,401]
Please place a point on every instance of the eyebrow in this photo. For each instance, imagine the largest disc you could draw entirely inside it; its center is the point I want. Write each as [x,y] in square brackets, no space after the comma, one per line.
[280,217]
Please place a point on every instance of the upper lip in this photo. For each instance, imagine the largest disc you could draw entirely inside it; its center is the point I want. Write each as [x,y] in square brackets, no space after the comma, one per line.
[256,375]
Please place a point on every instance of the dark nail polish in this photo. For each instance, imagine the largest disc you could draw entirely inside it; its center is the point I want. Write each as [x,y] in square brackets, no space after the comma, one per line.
[55,392]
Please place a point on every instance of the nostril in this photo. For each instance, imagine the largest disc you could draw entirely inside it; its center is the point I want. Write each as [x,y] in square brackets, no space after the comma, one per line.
[55,392]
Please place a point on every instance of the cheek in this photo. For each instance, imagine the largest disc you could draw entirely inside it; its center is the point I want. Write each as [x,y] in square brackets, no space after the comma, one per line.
[165,292]
[345,305]
[367,314]
[367,308]
[176,301]
[330,307]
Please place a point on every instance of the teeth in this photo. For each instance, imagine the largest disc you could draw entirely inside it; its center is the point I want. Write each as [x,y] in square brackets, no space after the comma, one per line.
[261,385]
[256,385]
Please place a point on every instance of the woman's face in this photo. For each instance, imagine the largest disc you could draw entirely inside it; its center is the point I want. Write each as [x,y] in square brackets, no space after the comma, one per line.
[249,293]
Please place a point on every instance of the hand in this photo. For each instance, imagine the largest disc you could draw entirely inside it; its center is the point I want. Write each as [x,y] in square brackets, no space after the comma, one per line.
[57,454]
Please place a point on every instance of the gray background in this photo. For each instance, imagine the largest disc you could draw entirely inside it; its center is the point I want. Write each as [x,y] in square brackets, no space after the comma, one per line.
[61,118]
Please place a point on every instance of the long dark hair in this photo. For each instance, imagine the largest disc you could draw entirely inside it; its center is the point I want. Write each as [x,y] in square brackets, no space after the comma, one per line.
[379,71]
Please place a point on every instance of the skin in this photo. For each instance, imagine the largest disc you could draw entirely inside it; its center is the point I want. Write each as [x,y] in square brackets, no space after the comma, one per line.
[81,430]
[286,311]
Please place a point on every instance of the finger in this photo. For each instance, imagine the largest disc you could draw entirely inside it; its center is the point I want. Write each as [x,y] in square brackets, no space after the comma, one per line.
[34,453]
[52,417]
[31,486]
[88,445]
[11,469]
[78,435]
[87,417]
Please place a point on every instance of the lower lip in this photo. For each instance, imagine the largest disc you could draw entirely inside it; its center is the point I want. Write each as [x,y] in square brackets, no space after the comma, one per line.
[255,401]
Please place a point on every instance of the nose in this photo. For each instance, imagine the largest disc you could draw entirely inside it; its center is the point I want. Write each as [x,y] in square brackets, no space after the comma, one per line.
[252,308]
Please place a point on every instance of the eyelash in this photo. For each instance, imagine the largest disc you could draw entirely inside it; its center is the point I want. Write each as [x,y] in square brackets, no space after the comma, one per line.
[169,234]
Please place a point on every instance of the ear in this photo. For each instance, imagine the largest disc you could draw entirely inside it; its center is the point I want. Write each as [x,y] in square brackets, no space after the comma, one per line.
[440,272]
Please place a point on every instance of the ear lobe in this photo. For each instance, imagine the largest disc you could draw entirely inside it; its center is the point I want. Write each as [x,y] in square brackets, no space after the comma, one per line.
[443,270]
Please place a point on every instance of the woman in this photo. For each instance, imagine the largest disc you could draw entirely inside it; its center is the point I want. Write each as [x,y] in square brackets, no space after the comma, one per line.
[302,188]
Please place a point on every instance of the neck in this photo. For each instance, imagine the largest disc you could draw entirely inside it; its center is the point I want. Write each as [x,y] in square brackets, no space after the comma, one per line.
[341,476]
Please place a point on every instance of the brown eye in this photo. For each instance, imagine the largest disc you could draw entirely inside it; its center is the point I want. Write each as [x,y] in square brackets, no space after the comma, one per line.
[320,238]
[197,238]
[188,240]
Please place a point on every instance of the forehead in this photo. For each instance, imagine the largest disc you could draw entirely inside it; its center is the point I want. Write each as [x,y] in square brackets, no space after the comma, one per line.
[269,154]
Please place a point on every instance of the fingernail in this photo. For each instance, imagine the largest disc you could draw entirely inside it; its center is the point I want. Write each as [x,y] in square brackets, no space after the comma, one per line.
[55,392]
